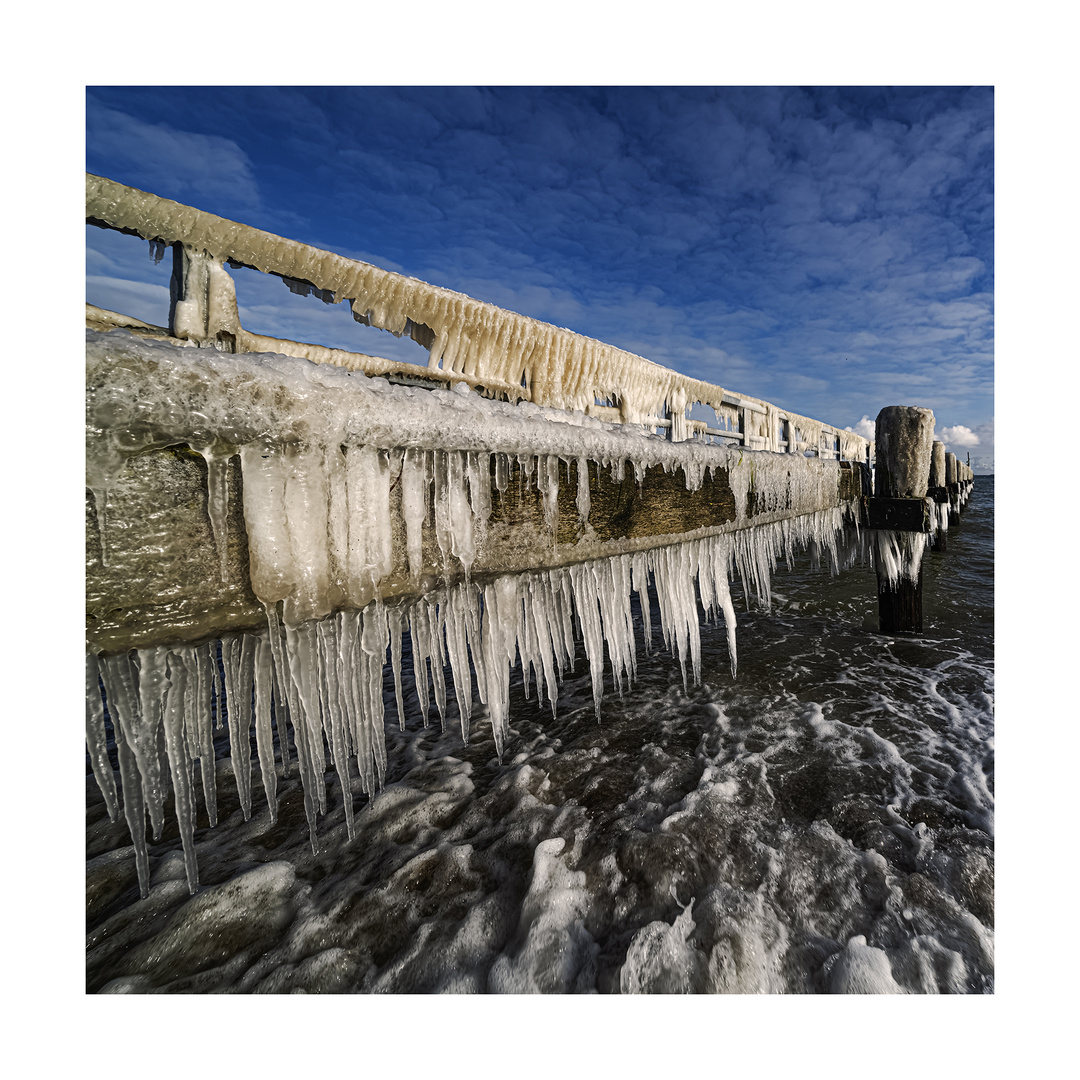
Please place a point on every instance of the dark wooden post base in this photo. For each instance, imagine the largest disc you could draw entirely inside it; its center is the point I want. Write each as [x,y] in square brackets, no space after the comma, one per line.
[900,606]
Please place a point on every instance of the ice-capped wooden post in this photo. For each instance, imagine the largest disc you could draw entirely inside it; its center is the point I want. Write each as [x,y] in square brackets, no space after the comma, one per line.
[952,482]
[899,514]
[939,493]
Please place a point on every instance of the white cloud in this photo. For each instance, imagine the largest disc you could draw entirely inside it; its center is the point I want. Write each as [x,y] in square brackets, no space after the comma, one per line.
[168,161]
[865,427]
[142,300]
[983,461]
[958,436]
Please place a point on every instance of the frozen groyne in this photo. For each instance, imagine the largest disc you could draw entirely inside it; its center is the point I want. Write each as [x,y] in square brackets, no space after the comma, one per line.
[268,522]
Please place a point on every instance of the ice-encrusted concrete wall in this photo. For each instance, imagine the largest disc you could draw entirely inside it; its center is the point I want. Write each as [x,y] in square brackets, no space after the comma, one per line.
[167,425]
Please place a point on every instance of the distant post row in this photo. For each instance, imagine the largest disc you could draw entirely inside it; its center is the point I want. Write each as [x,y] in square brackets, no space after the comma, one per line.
[919,491]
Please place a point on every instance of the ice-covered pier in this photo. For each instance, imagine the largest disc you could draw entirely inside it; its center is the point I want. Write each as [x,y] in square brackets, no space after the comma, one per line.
[269,521]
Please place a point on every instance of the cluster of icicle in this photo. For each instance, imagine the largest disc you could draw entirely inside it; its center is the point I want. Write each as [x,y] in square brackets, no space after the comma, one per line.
[898,555]
[324,678]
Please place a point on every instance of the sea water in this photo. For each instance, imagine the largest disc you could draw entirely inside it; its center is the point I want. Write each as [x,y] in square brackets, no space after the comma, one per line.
[823,822]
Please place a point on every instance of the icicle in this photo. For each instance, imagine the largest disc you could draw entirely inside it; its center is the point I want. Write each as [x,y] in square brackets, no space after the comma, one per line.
[264,737]
[217,456]
[284,692]
[564,599]
[199,714]
[307,722]
[462,542]
[540,600]
[370,555]
[528,648]
[307,515]
[418,637]
[472,636]
[238,695]
[898,554]
[218,708]
[622,619]
[585,603]
[443,524]
[525,464]
[357,698]
[459,658]
[134,807]
[141,734]
[498,637]
[335,709]
[393,617]
[148,743]
[272,569]
[338,523]
[479,470]
[436,617]
[415,480]
[583,498]
[96,738]
[180,764]
[640,571]
[547,480]
[373,642]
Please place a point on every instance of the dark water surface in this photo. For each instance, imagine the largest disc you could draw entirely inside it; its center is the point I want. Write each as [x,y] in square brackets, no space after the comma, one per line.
[821,823]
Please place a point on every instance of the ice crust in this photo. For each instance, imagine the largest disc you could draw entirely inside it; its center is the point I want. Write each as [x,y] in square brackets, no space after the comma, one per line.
[320,450]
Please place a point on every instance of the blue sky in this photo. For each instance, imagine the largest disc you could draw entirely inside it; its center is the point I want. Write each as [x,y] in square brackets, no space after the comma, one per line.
[831,250]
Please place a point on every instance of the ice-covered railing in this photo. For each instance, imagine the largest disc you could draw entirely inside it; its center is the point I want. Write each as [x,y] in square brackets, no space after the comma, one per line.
[502,353]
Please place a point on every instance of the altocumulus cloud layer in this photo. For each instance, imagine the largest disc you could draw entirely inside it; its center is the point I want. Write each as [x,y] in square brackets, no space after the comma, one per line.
[828,249]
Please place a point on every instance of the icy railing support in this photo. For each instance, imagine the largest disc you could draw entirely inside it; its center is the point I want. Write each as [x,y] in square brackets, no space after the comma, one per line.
[508,355]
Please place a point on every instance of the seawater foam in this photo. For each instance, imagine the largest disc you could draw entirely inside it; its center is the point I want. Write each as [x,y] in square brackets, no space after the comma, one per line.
[317,512]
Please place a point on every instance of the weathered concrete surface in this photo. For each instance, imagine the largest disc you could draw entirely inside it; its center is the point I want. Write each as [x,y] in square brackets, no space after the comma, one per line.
[161,580]
[904,436]
[937,465]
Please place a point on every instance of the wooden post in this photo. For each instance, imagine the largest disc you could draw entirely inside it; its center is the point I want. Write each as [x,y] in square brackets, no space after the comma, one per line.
[939,493]
[952,482]
[904,438]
